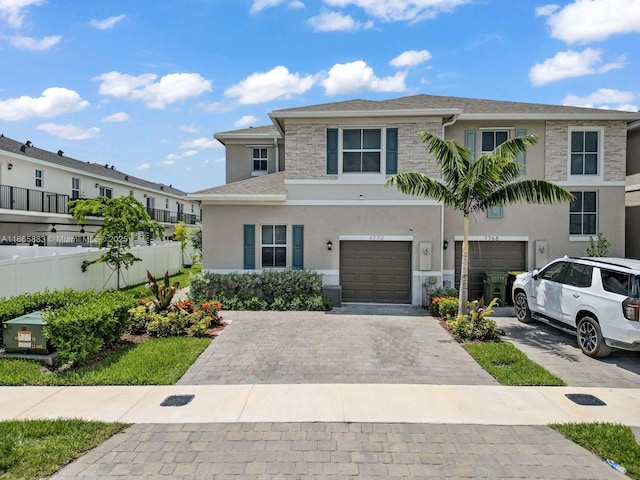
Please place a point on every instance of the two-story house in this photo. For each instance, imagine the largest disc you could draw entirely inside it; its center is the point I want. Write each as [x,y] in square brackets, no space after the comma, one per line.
[633,192]
[308,192]
[36,186]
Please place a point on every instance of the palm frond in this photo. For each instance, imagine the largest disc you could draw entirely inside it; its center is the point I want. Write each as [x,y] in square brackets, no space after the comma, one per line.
[421,185]
[529,191]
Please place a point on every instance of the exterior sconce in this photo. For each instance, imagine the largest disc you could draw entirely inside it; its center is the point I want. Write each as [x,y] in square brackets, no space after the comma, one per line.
[10,166]
[541,248]
[82,230]
[329,245]
[97,185]
[445,244]
[53,228]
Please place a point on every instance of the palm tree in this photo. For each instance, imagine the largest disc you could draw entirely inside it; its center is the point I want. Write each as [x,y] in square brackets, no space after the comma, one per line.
[471,186]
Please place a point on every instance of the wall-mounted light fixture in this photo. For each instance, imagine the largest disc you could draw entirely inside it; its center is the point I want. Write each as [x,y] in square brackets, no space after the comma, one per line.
[361,197]
[81,229]
[541,248]
[53,228]
[97,185]
[445,244]
[10,166]
[329,245]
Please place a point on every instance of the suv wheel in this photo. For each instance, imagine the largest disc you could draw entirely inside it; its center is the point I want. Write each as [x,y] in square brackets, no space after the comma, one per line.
[521,306]
[590,338]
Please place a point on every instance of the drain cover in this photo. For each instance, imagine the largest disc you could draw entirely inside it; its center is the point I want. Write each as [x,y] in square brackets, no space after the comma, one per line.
[585,399]
[177,400]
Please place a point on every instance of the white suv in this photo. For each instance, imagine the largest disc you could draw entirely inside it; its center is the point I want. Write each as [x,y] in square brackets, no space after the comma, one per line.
[597,299]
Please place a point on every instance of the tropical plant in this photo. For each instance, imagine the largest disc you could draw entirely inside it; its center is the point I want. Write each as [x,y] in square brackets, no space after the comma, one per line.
[163,294]
[470,186]
[476,326]
[195,238]
[123,218]
[181,234]
[598,247]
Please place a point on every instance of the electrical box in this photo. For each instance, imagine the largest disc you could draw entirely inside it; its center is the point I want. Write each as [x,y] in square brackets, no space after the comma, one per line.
[25,335]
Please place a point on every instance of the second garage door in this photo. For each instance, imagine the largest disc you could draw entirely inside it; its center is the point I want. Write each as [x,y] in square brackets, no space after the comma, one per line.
[376,272]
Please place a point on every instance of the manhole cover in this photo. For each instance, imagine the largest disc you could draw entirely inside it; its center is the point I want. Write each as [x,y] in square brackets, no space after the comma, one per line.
[585,399]
[177,400]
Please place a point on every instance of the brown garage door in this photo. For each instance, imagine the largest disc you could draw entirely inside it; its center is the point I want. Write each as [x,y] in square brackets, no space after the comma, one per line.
[377,272]
[489,257]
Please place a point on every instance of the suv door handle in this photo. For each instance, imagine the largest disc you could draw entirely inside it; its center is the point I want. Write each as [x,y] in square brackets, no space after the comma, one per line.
[576,295]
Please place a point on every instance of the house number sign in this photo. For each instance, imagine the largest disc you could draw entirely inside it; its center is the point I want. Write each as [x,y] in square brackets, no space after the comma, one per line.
[492,238]
[376,237]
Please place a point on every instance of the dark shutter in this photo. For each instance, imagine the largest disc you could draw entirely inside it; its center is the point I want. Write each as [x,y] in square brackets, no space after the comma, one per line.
[332,151]
[298,247]
[392,151]
[249,247]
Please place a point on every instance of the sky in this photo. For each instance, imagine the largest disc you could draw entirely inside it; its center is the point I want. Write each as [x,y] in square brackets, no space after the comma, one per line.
[145,84]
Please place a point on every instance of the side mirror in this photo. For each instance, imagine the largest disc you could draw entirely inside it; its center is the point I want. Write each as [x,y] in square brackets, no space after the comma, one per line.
[535,274]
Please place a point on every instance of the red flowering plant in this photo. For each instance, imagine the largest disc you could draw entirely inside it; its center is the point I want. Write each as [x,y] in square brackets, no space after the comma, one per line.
[186,306]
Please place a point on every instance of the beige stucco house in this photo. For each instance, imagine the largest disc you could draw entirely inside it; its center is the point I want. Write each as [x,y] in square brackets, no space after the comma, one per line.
[308,192]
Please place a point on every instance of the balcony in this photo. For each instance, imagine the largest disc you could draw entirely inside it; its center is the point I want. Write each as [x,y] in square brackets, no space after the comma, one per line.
[18,198]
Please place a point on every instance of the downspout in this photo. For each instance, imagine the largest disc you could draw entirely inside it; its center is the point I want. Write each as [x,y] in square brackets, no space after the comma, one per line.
[277,153]
[444,125]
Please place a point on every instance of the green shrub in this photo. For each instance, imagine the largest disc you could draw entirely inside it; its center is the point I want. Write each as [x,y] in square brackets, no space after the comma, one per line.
[138,320]
[255,303]
[318,303]
[280,303]
[442,291]
[441,306]
[466,328]
[172,324]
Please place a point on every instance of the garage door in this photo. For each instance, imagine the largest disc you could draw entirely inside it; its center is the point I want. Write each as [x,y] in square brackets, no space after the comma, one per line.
[489,257]
[377,272]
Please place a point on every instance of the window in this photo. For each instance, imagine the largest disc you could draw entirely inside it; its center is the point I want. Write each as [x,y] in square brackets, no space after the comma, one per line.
[166,203]
[151,203]
[495,212]
[615,282]
[583,214]
[578,275]
[192,208]
[260,159]
[492,139]
[75,188]
[584,152]
[131,193]
[106,192]
[361,150]
[554,273]
[274,246]
[39,178]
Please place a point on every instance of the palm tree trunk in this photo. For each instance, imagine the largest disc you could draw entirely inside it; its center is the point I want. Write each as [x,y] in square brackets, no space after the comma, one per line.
[464,270]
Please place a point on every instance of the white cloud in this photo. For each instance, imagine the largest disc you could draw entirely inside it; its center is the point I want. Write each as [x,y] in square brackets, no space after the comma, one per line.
[263,87]
[189,128]
[13,11]
[173,157]
[245,121]
[220,160]
[353,77]
[571,64]
[606,98]
[117,117]
[69,132]
[28,43]
[410,58]
[259,5]
[54,101]
[584,21]
[169,89]
[334,22]
[296,4]
[202,143]
[143,166]
[546,10]
[107,23]
[400,10]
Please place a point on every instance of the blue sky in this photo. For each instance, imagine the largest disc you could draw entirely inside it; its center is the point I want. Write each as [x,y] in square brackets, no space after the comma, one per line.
[144,84]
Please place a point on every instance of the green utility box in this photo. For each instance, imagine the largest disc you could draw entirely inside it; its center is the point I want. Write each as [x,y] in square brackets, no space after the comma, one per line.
[24,335]
[495,284]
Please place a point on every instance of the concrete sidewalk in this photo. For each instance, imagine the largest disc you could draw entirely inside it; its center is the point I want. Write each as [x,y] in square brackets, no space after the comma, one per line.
[452,404]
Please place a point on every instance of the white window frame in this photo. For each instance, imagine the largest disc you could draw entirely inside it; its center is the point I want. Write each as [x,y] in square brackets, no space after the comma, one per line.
[105,192]
[254,159]
[582,178]
[75,188]
[151,203]
[39,178]
[363,177]
[494,130]
[274,245]
[584,236]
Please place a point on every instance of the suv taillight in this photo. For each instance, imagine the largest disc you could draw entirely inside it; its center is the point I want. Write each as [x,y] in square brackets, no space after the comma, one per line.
[631,308]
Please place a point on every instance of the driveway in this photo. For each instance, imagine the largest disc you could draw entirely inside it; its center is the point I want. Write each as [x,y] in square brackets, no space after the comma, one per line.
[352,344]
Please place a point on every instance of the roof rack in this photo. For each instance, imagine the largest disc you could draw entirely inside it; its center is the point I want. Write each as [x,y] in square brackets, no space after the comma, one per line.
[604,262]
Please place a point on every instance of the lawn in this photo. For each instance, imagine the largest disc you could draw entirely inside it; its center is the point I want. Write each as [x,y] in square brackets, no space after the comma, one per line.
[606,440]
[157,361]
[182,277]
[509,365]
[33,449]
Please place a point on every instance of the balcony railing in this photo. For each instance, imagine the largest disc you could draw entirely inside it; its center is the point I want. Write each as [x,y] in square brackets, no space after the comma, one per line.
[18,198]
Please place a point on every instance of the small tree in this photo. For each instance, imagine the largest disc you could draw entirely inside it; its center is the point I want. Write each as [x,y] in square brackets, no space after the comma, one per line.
[598,247]
[181,234]
[123,218]
[195,237]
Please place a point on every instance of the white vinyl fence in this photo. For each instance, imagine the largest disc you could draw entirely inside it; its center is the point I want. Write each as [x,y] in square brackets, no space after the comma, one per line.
[30,269]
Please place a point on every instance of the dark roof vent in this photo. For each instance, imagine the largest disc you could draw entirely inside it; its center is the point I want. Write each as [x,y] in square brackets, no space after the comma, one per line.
[126,177]
[170,185]
[23,148]
[106,165]
[60,153]
[161,187]
[28,143]
[112,167]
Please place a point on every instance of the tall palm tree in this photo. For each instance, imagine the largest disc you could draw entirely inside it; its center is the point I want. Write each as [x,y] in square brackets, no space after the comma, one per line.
[471,186]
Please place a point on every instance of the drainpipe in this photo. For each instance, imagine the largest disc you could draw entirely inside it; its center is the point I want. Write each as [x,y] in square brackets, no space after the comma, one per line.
[277,154]
[444,125]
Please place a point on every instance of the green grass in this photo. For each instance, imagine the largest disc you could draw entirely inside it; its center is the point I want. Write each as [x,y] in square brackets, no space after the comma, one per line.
[606,440]
[158,361]
[182,277]
[509,365]
[34,449]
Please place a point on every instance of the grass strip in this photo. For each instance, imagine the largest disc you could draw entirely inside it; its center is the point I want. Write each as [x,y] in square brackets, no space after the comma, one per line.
[182,277]
[33,449]
[606,440]
[158,361]
[509,365]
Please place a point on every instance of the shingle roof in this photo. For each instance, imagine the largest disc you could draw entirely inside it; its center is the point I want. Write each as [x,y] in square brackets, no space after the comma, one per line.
[13,146]
[272,184]
[262,130]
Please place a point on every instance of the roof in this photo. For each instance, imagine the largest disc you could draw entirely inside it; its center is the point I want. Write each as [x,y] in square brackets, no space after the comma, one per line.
[94,169]
[266,187]
[265,131]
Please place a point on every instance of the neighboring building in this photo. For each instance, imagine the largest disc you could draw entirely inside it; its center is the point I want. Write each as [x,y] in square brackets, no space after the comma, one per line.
[308,192]
[36,187]
[632,198]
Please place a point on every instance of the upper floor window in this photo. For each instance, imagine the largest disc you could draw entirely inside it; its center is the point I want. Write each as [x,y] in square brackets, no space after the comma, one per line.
[274,246]
[75,188]
[151,202]
[39,178]
[106,192]
[166,203]
[260,159]
[583,214]
[361,150]
[585,152]
[492,139]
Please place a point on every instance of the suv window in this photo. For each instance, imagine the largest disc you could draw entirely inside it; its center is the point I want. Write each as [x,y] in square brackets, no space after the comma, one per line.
[615,282]
[578,275]
[554,272]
